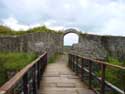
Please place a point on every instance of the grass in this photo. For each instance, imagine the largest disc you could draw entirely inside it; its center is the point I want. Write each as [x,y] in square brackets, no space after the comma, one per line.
[54,58]
[4,30]
[115,61]
[13,62]
[114,75]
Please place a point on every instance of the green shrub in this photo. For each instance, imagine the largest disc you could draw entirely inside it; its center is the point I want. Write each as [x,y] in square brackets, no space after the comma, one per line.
[114,75]
[13,62]
[16,61]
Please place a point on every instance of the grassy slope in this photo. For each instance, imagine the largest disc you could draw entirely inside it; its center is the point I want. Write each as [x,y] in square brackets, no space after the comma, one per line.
[7,31]
[13,62]
[116,76]
[113,75]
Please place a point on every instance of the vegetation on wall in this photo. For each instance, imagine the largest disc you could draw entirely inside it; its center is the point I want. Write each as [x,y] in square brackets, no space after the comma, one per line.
[4,30]
[13,62]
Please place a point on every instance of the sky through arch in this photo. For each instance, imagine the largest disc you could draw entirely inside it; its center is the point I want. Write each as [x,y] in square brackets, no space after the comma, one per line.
[70,38]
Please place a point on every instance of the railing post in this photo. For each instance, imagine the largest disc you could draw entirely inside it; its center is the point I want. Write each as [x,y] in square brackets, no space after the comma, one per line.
[38,73]
[103,68]
[73,63]
[75,66]
[46,61]
[77,61]
[69,60]
[34,80]
[25,84]
[82,70]
[90,74]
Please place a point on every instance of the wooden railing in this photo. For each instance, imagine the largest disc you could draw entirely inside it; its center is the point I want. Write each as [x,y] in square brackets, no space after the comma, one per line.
[26,81]
[93,73]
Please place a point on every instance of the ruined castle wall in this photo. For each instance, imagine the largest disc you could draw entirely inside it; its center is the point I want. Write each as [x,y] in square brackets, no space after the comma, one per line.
[42,41]
[90,46]
[115,46]
[9,43]
[32,42]
[94,46]
[100,47]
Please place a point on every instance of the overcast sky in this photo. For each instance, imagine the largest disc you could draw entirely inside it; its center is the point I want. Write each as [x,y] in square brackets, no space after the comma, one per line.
[92,16]
[70,39]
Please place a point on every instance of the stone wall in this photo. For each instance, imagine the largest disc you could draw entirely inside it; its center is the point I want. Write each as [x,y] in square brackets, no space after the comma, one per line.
[33,42]
[100,47]
[90,46]
[94,46]
[9,43]
[115,46]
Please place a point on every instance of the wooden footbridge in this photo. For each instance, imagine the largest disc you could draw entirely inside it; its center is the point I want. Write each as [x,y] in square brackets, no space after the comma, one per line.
[70,74]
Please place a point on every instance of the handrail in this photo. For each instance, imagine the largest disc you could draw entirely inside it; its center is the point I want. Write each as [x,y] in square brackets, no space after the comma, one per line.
[83,67]
[101,62]
[9,85]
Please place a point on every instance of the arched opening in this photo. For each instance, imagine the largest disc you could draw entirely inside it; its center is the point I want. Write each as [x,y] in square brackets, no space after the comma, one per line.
[70,39]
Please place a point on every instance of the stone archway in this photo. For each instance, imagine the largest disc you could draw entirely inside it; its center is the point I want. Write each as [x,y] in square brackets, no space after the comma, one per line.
[70,31]
[67,31]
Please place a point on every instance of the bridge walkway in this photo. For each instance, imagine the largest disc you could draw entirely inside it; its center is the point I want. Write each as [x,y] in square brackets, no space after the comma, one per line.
[59,79]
